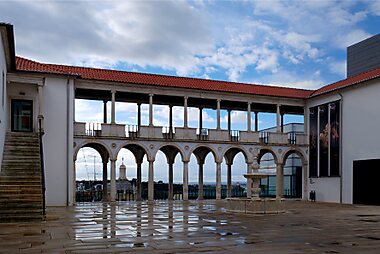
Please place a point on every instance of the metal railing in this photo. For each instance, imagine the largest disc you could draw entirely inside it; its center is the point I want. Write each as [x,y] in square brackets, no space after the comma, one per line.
[43,184]
[292,138]
[202,134]
[132,131]
[264,137]
[168,133]
[234,135]
[94,129]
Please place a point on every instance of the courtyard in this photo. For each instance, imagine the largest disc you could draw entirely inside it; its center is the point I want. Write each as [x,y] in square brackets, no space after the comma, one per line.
[196,226]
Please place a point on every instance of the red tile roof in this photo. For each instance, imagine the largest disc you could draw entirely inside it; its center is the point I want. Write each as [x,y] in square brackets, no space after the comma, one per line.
[354,80]
[161,80]
[190,83]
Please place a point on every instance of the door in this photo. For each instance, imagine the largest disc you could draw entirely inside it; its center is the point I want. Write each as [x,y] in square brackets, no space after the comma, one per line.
[366,177]
[22,115]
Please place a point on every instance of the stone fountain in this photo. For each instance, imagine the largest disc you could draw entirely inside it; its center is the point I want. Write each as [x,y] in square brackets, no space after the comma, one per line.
[253,203]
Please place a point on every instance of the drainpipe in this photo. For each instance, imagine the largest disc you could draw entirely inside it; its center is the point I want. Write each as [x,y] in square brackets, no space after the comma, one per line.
[340,147]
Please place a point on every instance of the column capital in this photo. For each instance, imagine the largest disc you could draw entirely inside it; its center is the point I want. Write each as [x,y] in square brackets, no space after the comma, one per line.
[151,95]
[113,90]
[185,161]
[218,100]
[186,97]
[150,160]
[279,164]
[113,159]
[218,161]
[249,102]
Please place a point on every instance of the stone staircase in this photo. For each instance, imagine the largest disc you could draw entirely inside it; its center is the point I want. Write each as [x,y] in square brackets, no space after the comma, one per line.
[20,179]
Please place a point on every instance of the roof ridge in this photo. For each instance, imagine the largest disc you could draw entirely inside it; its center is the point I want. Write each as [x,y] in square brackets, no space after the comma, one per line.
[319,92]
[169,76]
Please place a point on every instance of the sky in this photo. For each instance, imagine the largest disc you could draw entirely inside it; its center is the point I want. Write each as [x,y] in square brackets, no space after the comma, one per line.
[289,43]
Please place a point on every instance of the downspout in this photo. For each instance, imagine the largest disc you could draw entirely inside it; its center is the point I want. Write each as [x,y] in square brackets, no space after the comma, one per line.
[67,141]
[340,147]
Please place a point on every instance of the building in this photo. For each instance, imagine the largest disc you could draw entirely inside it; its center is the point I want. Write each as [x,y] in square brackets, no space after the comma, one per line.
[341,119]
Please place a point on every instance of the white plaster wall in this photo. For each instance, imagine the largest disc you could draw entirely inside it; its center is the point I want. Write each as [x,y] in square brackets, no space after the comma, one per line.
[57,124]
[3,109]
[326,189]
[360,136]
[361,129]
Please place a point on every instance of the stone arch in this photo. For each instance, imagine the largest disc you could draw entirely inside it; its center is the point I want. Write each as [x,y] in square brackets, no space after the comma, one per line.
[99,146]
[210,148]
[290,151]
[133,147]
[163,148]
[233,151]
[265,150]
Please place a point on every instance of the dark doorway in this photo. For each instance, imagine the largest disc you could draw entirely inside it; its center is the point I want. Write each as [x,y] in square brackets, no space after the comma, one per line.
[366,176]
[22,115]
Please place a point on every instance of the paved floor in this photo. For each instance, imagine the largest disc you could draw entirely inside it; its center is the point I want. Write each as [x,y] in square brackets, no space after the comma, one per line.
[196,227]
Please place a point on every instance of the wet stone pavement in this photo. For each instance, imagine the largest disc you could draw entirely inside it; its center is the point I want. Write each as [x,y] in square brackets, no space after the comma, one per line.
[193,227]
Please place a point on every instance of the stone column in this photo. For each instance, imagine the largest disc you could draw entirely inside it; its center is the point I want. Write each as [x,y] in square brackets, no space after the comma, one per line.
[105,182]
[104,111]
[185,121]
[113,107]
[278,118]
[200,180]
[218,114]
[138,116]
[185,180]
[256,121]
[150,110]
[138,182]
[218,180]
[171,189]
[249,117]
[249,181]
[150,181]
[113,180]
[229,180]
[74,182]
[279,180]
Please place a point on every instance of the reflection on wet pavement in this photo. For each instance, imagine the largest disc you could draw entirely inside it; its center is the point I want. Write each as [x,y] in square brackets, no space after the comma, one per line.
[191,227]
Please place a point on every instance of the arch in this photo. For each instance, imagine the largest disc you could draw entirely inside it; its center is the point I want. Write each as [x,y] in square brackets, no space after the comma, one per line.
[137,149]
[210,149]
[230,153]
[165,148]
[99,146]
[292,150]
[265,150]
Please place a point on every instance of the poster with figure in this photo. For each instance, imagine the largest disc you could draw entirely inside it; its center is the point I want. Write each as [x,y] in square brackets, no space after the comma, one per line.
[334,138]
[323,140]
[313,163]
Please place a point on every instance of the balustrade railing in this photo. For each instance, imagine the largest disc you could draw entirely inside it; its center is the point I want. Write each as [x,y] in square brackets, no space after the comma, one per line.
[264,137]
[168,133]
[132,131]
[94,129]
[234,135]
[202,134]
[292,138]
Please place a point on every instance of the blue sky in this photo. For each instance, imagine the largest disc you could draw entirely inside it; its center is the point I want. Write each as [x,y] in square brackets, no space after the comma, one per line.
[288,43]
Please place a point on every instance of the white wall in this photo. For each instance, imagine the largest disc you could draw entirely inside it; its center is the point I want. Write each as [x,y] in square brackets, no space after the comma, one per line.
[360,134]
[3,104]
[327,189]
[361,129]
[58,140]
